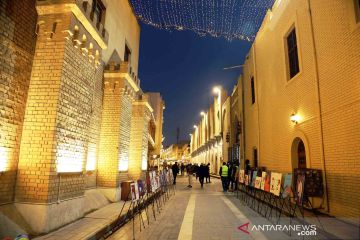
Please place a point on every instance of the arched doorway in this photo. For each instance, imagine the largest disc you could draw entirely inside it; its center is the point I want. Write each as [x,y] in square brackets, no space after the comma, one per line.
[298,153]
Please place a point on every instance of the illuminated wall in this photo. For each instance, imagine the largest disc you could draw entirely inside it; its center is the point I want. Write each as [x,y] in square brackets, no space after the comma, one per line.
[17,44]
[139,138]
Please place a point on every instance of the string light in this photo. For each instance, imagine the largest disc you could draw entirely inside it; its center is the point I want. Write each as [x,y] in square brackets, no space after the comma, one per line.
[231,19]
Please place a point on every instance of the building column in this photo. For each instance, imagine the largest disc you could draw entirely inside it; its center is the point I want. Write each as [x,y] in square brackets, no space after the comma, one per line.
[141,114]
[115,133]
[54,144]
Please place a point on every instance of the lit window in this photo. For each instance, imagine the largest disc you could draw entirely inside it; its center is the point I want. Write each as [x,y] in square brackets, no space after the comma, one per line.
[98,9]
[252,91]
[293,59]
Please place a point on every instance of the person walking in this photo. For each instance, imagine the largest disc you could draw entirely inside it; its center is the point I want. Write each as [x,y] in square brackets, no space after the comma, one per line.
[202,174]
[175,170]
[224,174]
[182,168]
[207,173]
[189,170]
[196,168]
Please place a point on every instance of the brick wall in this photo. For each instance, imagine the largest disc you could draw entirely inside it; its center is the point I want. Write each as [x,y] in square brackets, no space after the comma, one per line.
[17,46]
[338,49]
[139,139]
[115,131]
[58,113]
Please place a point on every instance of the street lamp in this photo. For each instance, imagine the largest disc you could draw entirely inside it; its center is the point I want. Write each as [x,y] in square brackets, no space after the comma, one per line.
[217,90]
[195,127]
[202,113]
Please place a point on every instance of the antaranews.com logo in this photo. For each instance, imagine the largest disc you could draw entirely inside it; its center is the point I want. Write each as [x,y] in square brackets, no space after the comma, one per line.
[301,230]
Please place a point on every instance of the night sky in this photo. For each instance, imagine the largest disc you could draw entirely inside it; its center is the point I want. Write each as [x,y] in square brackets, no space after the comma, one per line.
[184,68]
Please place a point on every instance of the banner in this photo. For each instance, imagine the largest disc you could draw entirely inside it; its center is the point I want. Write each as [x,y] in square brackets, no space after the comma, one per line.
[242,176]
[257,183]
[263,177]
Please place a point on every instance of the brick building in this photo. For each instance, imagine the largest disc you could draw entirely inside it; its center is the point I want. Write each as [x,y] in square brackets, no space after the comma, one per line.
[297,102]
[74,121]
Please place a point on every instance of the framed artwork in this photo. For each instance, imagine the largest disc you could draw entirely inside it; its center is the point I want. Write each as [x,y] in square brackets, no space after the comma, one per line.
[299,189]
[242,176]
[247,180]
[134,192]
[287,185]
[263,177]
[267,182]
[254,175]
[141,187]
[257,182]
[148,182]
[313,186]
[275,183]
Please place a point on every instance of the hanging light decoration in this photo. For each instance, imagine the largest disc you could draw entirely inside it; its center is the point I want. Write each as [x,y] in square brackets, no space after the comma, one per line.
[231,19]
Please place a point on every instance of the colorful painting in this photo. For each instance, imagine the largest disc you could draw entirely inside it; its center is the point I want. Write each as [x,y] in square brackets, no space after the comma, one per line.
[141,187]
[148,182]
[134,192]
[275,183]
[267,182]
[254,175]
[314,183]
[257,183]
[287,185]
[299,192]
[262,183]
[242,176]
[247,180]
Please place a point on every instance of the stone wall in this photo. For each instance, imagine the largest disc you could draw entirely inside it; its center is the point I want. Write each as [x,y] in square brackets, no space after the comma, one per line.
[17,46]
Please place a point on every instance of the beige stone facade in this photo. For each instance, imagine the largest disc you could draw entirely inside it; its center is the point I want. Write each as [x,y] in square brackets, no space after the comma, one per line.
[322,98]
[74,122]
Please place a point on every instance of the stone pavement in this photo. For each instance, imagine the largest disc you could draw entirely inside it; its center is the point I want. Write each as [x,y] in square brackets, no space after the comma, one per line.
[209,214]
[89,226]
[195,214]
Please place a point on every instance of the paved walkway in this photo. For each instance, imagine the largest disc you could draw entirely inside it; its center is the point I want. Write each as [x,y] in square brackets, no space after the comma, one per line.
[195,214]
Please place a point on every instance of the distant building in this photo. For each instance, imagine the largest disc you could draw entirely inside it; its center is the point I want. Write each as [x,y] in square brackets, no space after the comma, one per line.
[177,152]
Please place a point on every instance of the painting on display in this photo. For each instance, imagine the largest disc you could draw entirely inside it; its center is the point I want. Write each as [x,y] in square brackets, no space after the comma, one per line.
[262,183]
[267,182]
[275,183]
[141,187]
[247,180]
[134,192]
[299,188]
[287,185]
[257,183]
[314,183]
[254,174]
[242,176]
[148,182]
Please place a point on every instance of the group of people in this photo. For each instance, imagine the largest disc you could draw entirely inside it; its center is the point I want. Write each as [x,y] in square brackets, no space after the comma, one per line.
[229,173]
[202,172]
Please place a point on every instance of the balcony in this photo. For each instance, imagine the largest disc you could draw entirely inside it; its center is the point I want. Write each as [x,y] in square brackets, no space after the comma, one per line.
[83,12]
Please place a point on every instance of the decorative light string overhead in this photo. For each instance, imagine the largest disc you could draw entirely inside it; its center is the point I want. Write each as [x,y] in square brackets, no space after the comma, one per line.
[231,19]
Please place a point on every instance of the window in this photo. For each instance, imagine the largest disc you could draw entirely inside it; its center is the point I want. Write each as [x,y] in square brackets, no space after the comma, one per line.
[252,91]
[293,59]
[357,10]
[98,9]
[127,54]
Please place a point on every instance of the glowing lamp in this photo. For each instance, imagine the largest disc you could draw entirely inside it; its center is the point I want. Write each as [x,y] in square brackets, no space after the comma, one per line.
[295,118]
[217,90]
[195,127]
[202,113]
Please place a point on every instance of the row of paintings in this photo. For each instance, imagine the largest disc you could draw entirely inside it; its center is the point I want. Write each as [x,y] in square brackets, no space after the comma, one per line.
[280,184]
[152,184]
